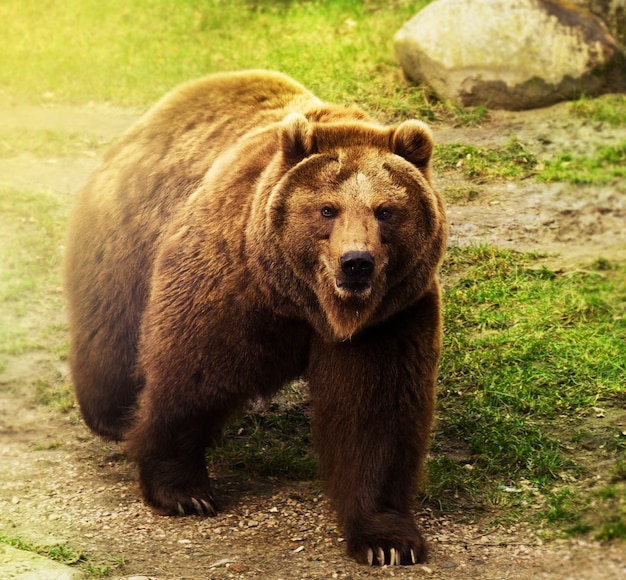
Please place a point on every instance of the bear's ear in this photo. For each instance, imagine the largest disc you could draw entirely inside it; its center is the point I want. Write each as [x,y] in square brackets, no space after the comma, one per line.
[413,141]
[296,138]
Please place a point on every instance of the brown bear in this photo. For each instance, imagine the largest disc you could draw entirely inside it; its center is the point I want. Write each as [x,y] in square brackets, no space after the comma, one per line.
[242,234]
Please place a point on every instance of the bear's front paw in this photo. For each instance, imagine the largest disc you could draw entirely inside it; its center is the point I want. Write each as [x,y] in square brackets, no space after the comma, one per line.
[387,539]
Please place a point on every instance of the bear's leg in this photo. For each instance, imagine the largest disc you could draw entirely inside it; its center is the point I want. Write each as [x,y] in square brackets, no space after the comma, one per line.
[169,450]
[373,405]
[102,363]
[199,372]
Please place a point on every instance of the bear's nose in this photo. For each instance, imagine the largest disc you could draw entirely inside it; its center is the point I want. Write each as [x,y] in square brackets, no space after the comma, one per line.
[357,265]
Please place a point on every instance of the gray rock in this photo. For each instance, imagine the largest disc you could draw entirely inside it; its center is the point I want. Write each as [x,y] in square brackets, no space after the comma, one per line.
[611,12]
[22,565]
[510,54]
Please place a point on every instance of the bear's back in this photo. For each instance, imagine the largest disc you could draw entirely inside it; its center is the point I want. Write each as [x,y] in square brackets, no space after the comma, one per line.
[170,149]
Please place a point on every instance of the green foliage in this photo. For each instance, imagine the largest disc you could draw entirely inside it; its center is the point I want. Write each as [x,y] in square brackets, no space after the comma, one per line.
[523,347]
[53,392]
[609,109]
[32,225]
[57,552]
[48,143]
[530,339]
[478,164]
[613,529]
[608,164]
[131,52]
[515,161]
[562,507]
[275,442]
[48,446]
[618,473]
[66,555]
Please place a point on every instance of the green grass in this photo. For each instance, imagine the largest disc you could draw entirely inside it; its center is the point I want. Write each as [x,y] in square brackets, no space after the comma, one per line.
[514,162]
[57,552]
[541,340]
[48,143]
[32,228]
[66,555]
[131,52]
[526,350]
[609,109]
[608,164]
[480,164]
[275,442]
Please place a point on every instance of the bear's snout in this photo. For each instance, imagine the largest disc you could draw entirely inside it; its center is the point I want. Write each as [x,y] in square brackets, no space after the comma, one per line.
[357,269]
[357,266]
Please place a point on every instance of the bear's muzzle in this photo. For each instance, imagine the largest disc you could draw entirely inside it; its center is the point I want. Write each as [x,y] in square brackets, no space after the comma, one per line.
[357,269]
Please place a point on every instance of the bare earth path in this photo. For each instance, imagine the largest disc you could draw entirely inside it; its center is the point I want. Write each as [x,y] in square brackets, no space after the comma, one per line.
[58,483]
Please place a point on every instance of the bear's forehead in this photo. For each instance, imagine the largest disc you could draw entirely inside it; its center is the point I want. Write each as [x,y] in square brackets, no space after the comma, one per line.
[367,176]
[371,188]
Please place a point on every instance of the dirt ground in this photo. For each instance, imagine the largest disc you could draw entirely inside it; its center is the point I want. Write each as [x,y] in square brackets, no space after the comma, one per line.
[84,492]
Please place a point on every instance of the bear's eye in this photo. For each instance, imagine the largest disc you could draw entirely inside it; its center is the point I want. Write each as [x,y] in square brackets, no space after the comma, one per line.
[328,211]
[383,214]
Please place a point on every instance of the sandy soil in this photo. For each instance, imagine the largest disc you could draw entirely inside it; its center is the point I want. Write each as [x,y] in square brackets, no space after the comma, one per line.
[84,492]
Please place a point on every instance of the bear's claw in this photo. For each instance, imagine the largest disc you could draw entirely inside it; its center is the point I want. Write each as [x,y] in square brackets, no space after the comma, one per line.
[200,507]
[394,558]
[209,508]
[197,506]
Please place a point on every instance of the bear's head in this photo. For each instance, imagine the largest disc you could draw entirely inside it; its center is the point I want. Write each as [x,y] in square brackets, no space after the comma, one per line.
[354,219]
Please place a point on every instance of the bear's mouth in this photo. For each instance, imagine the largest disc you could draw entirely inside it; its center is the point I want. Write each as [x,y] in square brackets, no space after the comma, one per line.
[353,288]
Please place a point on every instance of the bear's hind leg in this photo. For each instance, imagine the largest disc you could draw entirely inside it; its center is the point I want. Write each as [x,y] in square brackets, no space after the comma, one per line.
[191,393]
[170,456]
[106,390]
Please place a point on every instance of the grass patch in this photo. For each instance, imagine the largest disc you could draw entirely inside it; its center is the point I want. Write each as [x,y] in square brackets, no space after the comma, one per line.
[32,228]
[48,446]
[514,161]
[613,530]
[609,109]
[49,143]
[66,555]
[58,552]
[54,392]
[525,349]
[131,52]
[273,442]
[607,164]
[529,339]
[480,164]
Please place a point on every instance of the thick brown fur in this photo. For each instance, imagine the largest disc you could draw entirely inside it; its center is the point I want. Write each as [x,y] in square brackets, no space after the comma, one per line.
[243,234]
